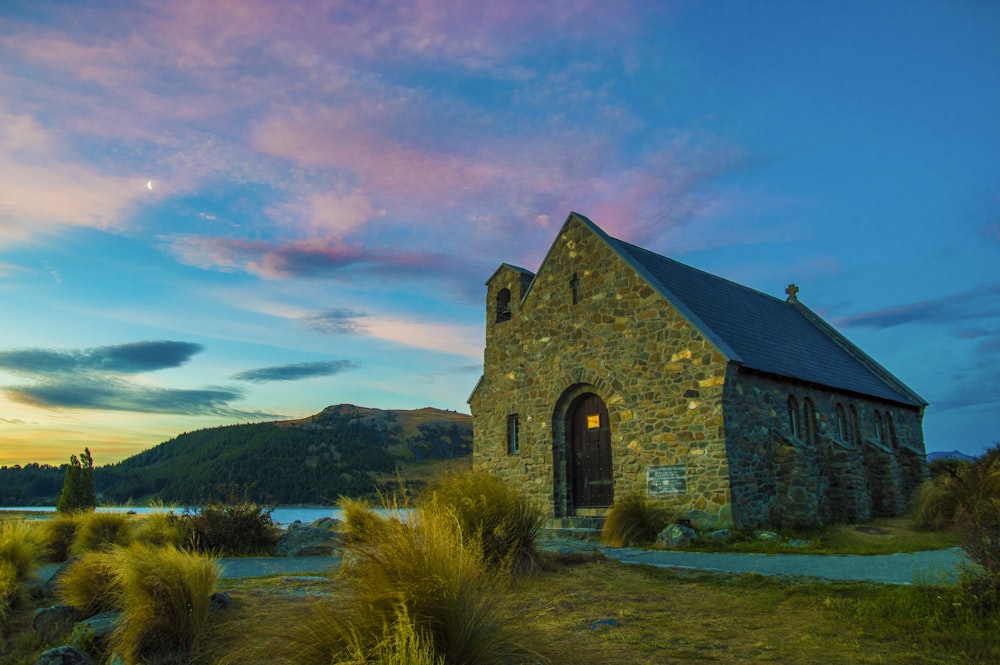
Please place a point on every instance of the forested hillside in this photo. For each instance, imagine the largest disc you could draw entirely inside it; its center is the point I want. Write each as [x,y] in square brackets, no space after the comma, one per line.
[337,452]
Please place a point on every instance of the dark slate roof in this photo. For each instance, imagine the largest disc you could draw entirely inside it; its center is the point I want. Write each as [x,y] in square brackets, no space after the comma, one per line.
[762,332]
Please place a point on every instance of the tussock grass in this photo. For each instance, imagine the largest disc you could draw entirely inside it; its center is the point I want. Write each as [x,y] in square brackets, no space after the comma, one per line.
[634,520]
[418,589]
[504,521]
[10,589]
[165,597]
[939,501]
[90,584]
[162,529]
[101,531]
[58,533]
[20,546]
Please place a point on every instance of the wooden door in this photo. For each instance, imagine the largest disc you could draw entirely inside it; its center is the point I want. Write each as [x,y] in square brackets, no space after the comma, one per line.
[590,445]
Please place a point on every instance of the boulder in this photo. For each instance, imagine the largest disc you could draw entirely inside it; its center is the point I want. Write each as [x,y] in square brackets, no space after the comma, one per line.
[718,535]
[52,624]
[220,600]
[675,536]
[767,536]
[321,538]
[94,633]
[64,656]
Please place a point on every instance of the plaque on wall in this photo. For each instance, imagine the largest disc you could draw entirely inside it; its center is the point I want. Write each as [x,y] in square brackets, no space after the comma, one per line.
[669,479]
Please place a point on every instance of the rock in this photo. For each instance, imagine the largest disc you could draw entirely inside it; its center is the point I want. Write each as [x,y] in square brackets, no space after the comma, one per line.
[601,623]
[718,535]
[767,536]
[52,624]
[309,540]
[220,600]
[94,633]
[675,536]
[47,586]
[64,656]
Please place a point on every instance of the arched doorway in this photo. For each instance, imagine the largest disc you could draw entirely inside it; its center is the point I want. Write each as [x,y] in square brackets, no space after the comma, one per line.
[589,447]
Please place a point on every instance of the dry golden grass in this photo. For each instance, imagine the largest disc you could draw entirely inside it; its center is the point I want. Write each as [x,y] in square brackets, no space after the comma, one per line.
[662,617]
[90,583]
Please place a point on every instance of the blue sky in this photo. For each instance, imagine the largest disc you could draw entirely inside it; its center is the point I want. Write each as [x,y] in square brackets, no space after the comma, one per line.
[248,210]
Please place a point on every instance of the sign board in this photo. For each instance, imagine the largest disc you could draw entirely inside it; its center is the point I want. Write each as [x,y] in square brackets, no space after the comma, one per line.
[669,479]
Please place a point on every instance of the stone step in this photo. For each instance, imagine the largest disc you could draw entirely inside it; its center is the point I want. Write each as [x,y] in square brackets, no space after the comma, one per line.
[579,527]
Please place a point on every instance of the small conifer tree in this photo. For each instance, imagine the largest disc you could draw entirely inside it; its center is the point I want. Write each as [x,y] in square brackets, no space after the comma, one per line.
[78,487]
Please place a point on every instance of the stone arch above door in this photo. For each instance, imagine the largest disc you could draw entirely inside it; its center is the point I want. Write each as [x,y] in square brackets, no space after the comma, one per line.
[569,488]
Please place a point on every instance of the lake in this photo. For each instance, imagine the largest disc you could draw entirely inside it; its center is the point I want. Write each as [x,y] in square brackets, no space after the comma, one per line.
[282,515]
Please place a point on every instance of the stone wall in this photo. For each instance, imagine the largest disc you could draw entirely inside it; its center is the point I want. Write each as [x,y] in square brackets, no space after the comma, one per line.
[661,380]
[780,477]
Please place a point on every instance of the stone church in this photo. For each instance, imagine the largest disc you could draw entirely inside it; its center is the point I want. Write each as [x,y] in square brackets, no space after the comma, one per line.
[615,371]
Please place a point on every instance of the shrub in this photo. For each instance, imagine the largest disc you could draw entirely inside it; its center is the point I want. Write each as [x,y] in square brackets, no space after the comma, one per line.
[101,531]
[634,520]
[58,533]
[240,528]
[165,598]
[498,515]
[90,584]
[361,523]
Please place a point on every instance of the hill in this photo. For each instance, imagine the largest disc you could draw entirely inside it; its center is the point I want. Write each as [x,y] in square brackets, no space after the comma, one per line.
[953,454]
[343,450]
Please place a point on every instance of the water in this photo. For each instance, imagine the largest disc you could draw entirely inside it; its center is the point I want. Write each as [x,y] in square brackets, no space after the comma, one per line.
[282,515]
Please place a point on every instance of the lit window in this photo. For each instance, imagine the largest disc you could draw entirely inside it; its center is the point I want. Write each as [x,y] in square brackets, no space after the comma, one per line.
[512,427]
[594,421]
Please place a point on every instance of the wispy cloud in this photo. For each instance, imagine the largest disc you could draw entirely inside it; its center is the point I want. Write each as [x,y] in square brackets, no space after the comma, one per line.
[979,303]
[113,394]
[297,371]
[335,322]
[93,379]
[130,358]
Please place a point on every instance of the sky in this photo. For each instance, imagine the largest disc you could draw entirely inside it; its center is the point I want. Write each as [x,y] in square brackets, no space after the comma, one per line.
[247,210]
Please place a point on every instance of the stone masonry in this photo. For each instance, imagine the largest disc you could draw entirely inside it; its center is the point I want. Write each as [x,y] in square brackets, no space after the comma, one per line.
[590,323]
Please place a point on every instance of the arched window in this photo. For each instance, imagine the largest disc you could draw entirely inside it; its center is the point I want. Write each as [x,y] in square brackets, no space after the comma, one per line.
[842,428]
[878,426]
[812,424]
[503,305]
[890,431]
[513,427]
[855,427]
[794,424]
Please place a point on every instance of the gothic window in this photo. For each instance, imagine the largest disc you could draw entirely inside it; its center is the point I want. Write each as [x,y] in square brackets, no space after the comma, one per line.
[503,305]
[878,427]
[512,434]
[890,431]
[574,287]
[812,425]
[855,427]
[794,424]
[842,429]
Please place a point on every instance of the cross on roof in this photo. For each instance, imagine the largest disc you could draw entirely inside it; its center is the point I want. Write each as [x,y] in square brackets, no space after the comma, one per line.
[791,291]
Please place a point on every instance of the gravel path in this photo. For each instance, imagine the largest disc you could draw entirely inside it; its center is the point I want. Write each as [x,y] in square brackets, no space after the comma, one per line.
[937,566]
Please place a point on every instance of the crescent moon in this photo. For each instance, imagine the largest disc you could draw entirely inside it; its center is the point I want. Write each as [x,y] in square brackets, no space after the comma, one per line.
[149,185]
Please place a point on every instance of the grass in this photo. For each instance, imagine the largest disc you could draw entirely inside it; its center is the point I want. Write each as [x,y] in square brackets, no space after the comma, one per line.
[165,596]
[101,531]
[663,616]
[634,520]
[90,583]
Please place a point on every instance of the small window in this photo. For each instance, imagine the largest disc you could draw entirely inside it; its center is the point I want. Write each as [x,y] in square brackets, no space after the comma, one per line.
[812,425]
[878,427]
[842,428]
[794,426]
[512,434]
[503,305]
[574,287]
[594,421]
[890,431]
[855,427]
